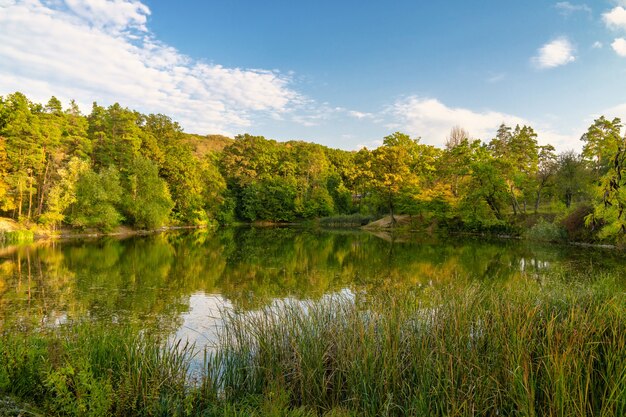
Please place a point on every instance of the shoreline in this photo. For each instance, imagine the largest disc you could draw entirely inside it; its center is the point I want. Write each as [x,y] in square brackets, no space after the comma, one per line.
[41,236]
[123,232]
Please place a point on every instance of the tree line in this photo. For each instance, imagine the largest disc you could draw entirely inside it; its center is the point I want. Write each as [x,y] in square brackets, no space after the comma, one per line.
[117,166]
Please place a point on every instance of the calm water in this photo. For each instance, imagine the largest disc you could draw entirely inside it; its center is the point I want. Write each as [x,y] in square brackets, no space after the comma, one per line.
[179,283]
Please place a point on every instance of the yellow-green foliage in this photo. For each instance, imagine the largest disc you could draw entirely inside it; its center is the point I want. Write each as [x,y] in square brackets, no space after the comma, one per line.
[16,236]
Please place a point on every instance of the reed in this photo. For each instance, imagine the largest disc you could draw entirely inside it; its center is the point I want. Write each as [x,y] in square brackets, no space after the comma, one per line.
[549,347]
[95,370]
[555,349]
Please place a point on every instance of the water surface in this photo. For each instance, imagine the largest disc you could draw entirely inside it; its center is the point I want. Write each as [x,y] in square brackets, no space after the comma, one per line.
[179,283]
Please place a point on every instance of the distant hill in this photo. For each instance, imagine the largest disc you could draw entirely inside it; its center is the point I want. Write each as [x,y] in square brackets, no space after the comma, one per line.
[203,145]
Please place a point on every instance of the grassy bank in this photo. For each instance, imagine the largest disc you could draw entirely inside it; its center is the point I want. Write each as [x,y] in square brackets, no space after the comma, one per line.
[529,348]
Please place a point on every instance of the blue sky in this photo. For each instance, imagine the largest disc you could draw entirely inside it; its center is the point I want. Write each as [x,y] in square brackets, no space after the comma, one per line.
[340,73]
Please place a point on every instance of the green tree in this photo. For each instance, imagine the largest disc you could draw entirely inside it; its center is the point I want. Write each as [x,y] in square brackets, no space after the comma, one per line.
[63,193]
[25,155]
[602,142]
[546,170]
[147,202]
[187,182]
[572,178]
[393,169]
[260,174]
[116,135]
[516,153]
[5,200]
[74,135]
[610,206]
[98,196]
[214,190]
[487,185]
[272,199]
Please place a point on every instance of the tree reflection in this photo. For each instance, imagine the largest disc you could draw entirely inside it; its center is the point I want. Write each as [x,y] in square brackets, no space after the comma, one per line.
[149,280]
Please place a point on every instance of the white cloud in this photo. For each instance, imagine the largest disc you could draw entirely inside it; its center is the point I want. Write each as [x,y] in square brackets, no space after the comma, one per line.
[116,14]
[432,120]
[359,115]
[616,18]
[554,54]
[597,45]
[370,144]
[619,46]
[566,8]
[101,50]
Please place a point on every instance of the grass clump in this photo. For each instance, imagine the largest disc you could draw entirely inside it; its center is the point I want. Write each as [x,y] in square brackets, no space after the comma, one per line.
[96,371]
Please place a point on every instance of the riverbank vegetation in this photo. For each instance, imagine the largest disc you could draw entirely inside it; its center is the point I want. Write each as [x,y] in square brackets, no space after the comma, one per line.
[549,346]
[116,166]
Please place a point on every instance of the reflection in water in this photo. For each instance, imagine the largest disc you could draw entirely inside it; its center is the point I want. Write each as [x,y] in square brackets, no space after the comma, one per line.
[202,321]
[179,282]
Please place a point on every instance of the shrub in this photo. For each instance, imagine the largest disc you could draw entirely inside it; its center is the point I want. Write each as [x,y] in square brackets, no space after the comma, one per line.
[574,224]
[546,231]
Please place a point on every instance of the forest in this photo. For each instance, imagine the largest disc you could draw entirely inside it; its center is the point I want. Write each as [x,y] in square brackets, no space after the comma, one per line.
[118,167]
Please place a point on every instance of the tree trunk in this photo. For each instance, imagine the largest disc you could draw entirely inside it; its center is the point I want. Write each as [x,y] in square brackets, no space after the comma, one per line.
[30,195]
[43,188]
[538,199]
[514,202]
[393,219]
[21,200]
[492,205]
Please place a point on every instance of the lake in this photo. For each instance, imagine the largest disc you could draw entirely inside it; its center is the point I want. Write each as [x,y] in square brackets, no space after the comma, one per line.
[179,283]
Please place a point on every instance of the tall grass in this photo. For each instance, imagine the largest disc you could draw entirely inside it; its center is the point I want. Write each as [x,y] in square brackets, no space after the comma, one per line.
[96,371]
[527,348]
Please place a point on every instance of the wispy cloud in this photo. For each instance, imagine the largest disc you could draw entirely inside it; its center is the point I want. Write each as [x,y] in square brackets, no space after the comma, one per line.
[360,115]
[554,54]
[619,46]
[597,45]
[111,14]
[616,111]
[102,50]
[566,8]
[496,77]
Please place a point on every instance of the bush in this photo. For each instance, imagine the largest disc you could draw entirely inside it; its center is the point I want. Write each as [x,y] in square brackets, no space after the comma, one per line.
[574,224]
[546,231]
[347,220]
